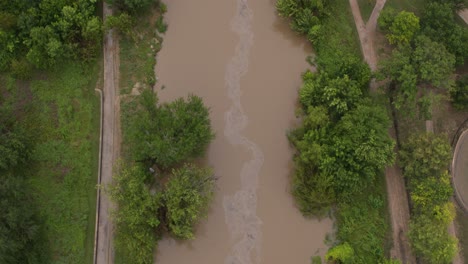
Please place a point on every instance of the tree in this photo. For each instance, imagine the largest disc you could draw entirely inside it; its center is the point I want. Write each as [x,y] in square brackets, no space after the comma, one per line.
[438,23]
[187,196]
[305,15]
[403,28]
[425,155]
[339,95]
[20,236]
[132,6]
[313,191]
[402,75]
[433,62]
[359,148]
[459,93]
[342,253]
[137,215]
[171,133]
[386,18]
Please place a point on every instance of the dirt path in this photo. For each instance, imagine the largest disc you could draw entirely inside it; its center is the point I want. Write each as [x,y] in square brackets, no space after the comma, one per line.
[366,31]
[397,197]
[110,146]
[464,15]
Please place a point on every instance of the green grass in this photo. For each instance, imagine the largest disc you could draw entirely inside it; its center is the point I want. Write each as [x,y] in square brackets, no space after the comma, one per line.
[137,62]
[64,166]
[364,224]
[409,5]
[341,35]
[366,7]
[138,53]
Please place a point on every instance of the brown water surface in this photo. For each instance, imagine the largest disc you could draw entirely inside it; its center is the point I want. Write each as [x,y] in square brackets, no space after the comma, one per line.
[245,63]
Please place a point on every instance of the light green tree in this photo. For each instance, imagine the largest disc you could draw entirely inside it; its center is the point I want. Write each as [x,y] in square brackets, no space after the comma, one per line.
[403,28]
[137,215]
[187,196]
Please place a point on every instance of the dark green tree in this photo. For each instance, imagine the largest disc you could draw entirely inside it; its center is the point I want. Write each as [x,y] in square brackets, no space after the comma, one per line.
[359,149]
[438,23]
[171,133]
[20,232]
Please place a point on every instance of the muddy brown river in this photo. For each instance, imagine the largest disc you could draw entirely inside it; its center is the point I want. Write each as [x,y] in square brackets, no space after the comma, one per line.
[245,63]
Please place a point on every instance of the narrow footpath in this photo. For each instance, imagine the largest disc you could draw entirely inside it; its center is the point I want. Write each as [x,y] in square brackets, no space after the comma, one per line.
[397,197]
[104,253]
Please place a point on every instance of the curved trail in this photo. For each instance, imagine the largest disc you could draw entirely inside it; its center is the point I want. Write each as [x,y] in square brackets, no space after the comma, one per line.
[241,208]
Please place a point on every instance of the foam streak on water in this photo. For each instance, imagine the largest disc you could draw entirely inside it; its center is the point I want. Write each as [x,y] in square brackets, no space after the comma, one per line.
[241,208]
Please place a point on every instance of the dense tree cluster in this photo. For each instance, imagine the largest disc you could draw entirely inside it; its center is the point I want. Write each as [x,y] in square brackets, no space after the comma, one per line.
[169,134]
[342,145]
[400,27]
[425,159]
[419,61]
[42,33]
[165,138]
[305,15]
[20,231]
[438,23]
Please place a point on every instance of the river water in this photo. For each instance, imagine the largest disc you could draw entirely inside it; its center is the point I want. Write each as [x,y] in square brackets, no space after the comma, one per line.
[245,63]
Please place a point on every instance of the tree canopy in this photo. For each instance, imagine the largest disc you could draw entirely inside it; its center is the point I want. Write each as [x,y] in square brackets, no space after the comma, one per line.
[46,32]
[186,197]
[170,133]
[137,215]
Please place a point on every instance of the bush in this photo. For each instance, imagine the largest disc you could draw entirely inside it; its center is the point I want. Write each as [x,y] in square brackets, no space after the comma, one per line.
[459,93]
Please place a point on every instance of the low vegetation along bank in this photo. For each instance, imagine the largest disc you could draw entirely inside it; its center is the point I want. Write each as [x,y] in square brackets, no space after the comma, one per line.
[342,145]
[159,190]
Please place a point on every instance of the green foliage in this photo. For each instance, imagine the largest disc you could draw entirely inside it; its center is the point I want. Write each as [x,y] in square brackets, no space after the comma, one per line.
[132,6]
[123,23]
[433,62]
[430,194]
[438,23]
[187,197]
[305,15]
[342,253]
[386,18]
[425,155]
[404,27]
[339,95]
[316,260]
[47,32]
[13,145]
[63,168]
[400,27]
[430,240]
[20,236]
[161,25]
[333,134]
[360,148]
[459,93]
[170,133]
[21,69]
[362,223]
[425,159]
[137,214]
